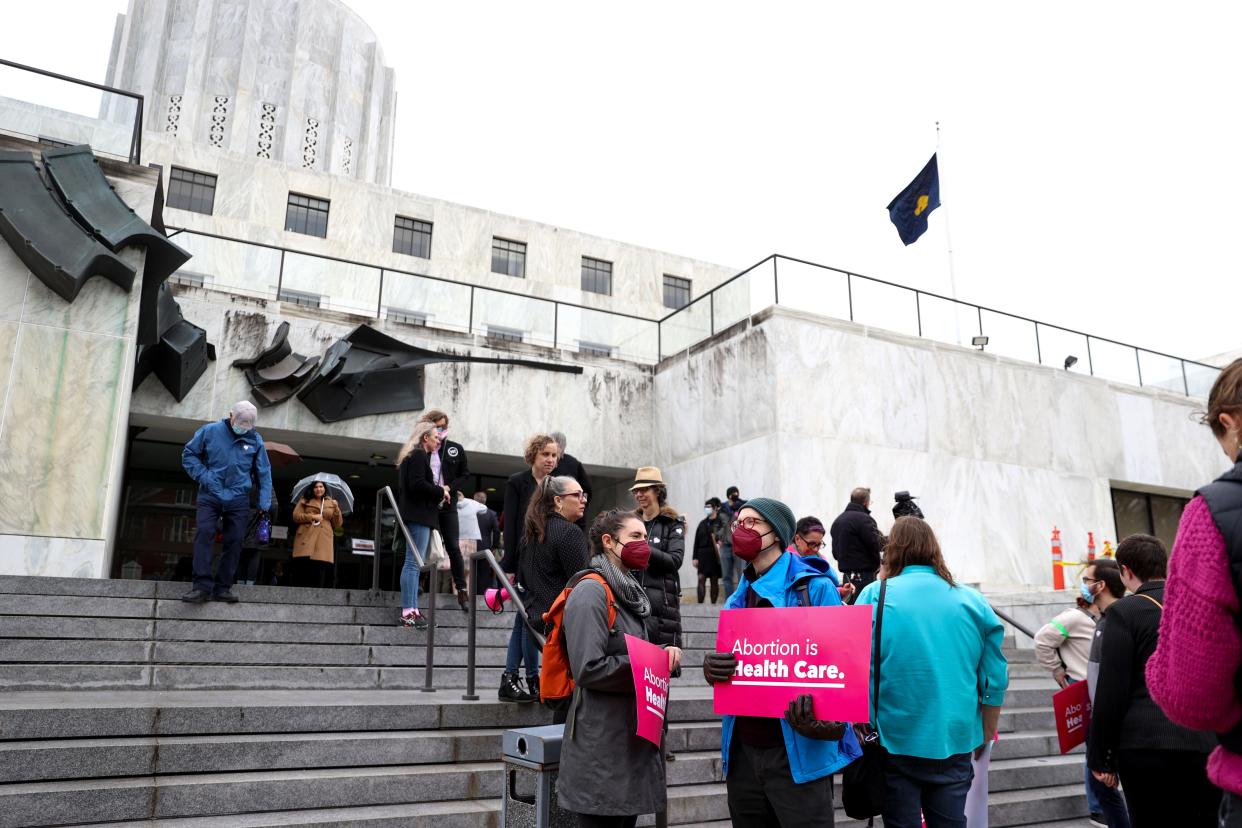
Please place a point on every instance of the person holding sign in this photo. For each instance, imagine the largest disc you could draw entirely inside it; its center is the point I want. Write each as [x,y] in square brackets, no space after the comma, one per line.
[941,679]
[609,774]
[778,771]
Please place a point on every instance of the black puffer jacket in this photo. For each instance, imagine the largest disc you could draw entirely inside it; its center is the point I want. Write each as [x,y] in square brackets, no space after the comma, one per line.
[666,533]
[856,540]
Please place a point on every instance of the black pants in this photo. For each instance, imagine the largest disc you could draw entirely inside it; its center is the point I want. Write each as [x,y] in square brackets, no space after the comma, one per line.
[1168,787]
[448,533]
[703,579]
[308,572]
[234,514]
[595,821]
[762,793]
[859,580]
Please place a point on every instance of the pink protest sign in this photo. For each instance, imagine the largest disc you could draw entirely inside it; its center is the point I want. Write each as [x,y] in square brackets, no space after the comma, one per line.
[785,652]
[649,664]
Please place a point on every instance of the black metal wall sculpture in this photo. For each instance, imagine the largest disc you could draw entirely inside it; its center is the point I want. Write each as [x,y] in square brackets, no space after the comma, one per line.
[277,373]
[368,372]
[64,244]
[45,237]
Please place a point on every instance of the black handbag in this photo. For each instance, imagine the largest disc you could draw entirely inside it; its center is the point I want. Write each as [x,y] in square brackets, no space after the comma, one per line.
[863,783]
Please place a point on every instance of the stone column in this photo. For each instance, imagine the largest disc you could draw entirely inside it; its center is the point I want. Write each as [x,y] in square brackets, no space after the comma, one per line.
[66,370]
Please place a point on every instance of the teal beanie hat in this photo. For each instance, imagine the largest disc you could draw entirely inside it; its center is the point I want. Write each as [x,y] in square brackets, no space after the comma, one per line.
[778,515]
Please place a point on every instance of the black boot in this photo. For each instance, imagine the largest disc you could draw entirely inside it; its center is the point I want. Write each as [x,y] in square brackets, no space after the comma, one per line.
[532,683]
[511,689]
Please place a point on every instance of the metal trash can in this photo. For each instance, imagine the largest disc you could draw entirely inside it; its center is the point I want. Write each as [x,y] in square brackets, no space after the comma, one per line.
[532,757]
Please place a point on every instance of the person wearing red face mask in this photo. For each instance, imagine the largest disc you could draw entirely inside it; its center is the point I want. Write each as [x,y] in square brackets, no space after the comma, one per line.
[778,771]
[608,774]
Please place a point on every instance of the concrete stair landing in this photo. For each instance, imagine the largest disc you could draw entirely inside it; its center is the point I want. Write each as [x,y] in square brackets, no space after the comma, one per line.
[121,705]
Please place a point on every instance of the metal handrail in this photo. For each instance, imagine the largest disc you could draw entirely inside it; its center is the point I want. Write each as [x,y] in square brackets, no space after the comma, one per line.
[135,141]
[471,646]
[433,582]
[1007,618]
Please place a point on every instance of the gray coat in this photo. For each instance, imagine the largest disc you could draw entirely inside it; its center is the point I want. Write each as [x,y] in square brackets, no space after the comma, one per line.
[606,769]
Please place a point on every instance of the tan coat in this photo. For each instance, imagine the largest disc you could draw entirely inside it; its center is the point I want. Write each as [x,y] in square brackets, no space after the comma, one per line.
[311,540]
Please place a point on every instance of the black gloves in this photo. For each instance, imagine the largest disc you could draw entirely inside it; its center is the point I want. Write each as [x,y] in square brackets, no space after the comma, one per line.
[718,667]
[801,717]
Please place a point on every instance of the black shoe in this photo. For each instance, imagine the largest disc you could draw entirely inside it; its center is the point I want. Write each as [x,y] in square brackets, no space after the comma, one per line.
[532,684]
[511,689]
[195,596]
[414,620]
[226,596]
[463,600]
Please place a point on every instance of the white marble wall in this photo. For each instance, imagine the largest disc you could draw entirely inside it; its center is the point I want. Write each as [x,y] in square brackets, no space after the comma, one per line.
[65,376]
[302,82]
[805,408]
[251,203]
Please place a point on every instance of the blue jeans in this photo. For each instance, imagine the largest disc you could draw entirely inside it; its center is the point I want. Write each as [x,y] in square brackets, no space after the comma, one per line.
[235,513]
[521,647]
[1102,799]
[936,786]
[728,568]
[410,571]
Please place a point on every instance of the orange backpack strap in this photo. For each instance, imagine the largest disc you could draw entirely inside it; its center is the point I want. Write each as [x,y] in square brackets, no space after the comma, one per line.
[612,601]
[555,681]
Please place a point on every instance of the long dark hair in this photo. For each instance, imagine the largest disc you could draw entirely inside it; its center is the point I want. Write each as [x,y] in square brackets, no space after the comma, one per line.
[607,523]
[913,543]
[542,504]
[308,494]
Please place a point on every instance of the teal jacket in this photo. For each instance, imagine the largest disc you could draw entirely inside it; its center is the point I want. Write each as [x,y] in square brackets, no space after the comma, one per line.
[809,759]
[940,659]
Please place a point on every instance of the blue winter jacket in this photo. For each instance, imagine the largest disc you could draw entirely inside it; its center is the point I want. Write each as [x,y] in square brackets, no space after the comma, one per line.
[809,759]
[221,462]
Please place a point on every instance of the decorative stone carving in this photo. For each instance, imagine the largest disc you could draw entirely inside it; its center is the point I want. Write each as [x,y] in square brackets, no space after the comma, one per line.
[310,144]
[219,114]
[267,128]
[347,157]
[174,115]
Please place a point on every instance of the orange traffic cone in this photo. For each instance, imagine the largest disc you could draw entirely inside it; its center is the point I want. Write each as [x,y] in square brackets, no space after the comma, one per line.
[1058,572]
[1090,547]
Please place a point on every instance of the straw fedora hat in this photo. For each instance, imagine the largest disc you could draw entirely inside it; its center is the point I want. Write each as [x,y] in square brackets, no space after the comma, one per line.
[647,476]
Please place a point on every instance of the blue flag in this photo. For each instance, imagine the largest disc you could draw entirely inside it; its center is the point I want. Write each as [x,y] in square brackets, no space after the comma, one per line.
[909,210]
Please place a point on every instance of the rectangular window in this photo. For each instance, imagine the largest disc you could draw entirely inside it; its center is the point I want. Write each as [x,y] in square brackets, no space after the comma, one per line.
[407,317]
[308,215]
[54,142]
[412,237]
[676,292]
[189,279]
[596,275]
[1147,514]
[504,334]
[509,257]
[300,298]
[594,349]
[190,190]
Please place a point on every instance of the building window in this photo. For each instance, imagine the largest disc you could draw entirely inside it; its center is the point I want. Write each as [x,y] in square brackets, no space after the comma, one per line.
[676,292]
[53,142]
[1147,514]
[190,190]
[307,215]
[597,275]
[407,317]
[509,257]
[412,237]
[594,349]
[504,334]
[300,298]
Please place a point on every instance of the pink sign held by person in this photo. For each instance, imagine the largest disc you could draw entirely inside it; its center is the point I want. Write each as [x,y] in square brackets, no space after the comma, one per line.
[649,665]
[785,652]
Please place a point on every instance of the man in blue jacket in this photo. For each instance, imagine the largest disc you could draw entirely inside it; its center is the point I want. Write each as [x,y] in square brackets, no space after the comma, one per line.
[224,458]
[778,771]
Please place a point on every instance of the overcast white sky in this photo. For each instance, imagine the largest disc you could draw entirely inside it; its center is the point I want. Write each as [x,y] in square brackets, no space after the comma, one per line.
[1089,153]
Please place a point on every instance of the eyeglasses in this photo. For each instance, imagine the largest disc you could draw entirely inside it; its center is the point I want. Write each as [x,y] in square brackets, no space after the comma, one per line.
[813,545]
[1087,580]
[747,522]
[582,496]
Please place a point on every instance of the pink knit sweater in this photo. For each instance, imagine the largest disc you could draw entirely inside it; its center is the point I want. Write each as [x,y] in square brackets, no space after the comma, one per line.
[1191,673]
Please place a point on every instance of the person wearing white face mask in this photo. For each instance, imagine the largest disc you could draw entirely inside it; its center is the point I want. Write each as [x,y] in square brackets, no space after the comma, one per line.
[224,458]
